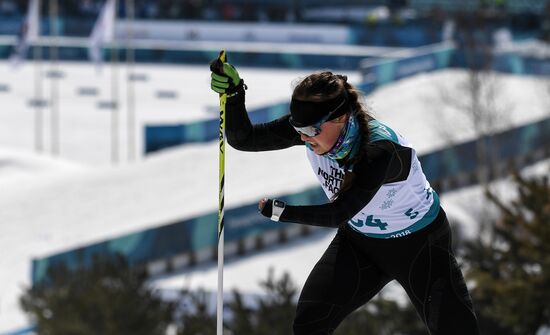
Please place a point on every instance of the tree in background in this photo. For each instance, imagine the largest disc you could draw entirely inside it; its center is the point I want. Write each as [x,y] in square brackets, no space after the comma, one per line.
[271,313]
[477,101]
[477,106]
[108,298]
[195,317]
[511,271]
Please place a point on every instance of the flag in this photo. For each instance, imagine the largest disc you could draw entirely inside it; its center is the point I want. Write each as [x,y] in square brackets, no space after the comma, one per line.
[103,31]
[28,32]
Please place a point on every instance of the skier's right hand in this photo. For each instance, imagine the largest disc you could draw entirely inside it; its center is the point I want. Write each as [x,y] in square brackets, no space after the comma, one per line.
[224,78]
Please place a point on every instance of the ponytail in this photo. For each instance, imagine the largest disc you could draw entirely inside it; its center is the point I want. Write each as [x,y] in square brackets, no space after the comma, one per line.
[363,117]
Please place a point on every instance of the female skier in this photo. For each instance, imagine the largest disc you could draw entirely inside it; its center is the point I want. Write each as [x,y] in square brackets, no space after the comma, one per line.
[390,223]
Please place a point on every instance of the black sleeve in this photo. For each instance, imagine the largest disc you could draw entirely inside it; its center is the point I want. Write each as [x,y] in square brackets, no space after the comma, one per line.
[384,162]
[242,135]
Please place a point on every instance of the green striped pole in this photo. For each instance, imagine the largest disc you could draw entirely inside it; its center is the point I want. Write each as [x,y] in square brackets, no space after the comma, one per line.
[223,99]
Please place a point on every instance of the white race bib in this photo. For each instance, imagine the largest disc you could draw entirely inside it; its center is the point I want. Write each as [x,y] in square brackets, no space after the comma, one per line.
[397,209]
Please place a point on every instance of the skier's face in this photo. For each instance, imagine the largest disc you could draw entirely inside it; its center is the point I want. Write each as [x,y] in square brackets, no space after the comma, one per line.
[325,140]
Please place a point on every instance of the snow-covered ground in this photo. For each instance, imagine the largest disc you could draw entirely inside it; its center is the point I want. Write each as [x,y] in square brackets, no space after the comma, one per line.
[49,204]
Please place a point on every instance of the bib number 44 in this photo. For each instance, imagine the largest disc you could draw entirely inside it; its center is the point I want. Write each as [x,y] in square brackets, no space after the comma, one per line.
[371,222]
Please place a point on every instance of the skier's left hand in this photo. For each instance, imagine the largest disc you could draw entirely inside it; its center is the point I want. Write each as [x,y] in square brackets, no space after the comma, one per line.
[224,78]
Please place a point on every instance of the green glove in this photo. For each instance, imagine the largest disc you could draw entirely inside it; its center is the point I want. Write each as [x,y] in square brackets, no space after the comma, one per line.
[224,78]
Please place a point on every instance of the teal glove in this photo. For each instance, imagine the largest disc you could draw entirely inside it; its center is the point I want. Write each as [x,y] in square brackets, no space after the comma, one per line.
[224,78]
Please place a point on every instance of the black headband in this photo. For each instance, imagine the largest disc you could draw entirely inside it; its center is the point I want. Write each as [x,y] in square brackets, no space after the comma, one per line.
[307,113]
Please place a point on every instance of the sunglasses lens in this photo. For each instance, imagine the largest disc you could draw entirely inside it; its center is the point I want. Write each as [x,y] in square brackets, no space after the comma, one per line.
[309,131]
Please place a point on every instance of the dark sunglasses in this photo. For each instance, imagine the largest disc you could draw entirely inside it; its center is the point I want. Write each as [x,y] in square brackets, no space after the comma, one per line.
[315,129]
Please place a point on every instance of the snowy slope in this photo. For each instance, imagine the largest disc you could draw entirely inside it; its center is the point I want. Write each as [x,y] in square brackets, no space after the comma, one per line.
[49,205]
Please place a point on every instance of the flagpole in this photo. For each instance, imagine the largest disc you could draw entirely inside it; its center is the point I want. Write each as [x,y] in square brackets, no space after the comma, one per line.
[54,91]
[114,97]
[34,34]
[130,13]
[38,116]
[101,37]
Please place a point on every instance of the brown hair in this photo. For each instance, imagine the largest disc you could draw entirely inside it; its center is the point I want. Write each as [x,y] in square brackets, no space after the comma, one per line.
[322,86]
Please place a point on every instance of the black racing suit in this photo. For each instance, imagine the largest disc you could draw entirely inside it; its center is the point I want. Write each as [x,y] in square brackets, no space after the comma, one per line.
[356,267]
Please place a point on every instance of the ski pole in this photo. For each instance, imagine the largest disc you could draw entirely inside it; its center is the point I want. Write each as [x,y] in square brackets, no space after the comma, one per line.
[223,99]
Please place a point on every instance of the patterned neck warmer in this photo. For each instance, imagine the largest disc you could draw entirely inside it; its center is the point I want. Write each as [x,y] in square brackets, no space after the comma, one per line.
[347,144]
